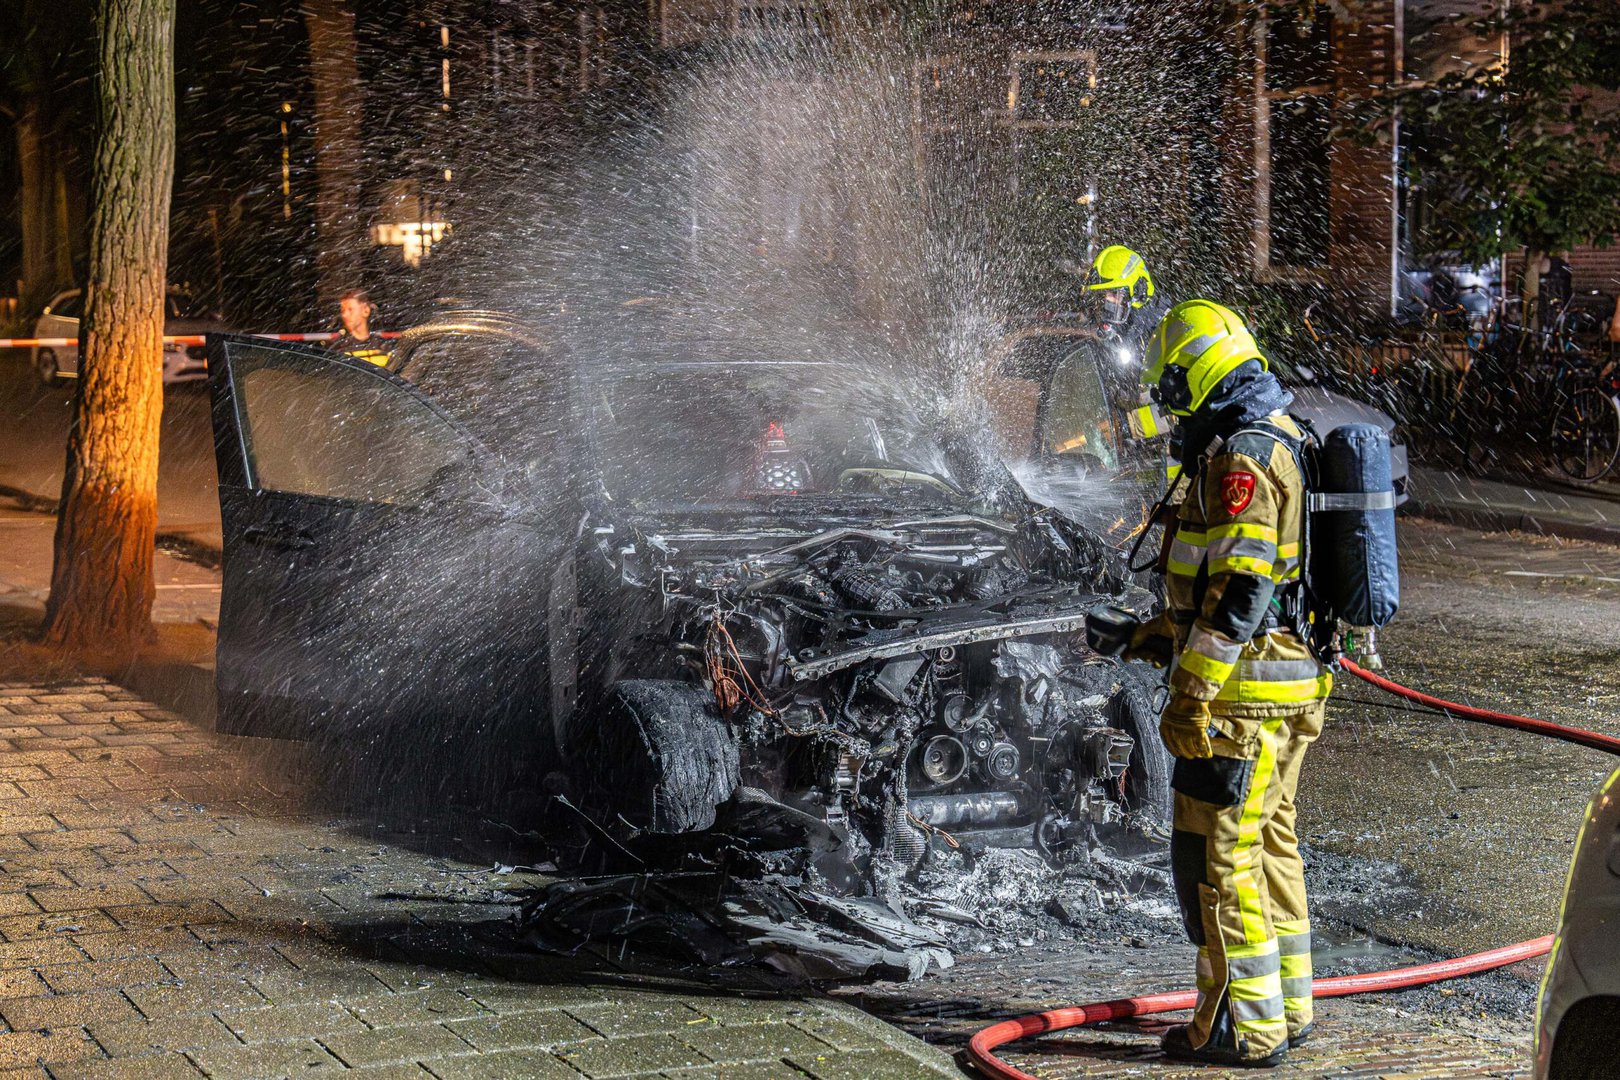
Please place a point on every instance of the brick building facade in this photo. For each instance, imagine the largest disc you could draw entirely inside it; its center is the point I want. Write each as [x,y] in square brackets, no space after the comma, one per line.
[1220,164]
[1308,208]
[1200,133]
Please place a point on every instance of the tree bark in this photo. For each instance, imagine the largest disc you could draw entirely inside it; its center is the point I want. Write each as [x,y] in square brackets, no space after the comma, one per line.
[340,230]
[101,582]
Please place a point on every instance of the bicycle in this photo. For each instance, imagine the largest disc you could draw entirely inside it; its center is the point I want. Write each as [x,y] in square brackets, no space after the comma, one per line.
[1527,386]
[1585,439]
[1431,383]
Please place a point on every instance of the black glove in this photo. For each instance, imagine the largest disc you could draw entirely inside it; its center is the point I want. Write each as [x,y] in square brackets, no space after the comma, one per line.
[1114,631]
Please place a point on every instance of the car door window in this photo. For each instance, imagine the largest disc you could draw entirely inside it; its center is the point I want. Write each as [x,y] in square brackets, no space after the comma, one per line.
[314,425]
[68,306]
[1078,419]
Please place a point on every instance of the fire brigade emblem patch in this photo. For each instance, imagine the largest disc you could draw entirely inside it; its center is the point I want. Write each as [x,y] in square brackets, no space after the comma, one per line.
[1236,490]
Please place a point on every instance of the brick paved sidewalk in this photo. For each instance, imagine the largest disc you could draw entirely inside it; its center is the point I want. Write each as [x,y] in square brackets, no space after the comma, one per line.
[168,909]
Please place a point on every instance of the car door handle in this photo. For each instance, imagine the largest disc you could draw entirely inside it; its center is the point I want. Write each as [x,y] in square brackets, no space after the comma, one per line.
[284,538]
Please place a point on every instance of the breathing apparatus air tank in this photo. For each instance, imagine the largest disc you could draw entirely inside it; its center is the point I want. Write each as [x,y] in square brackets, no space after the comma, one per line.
[1355,570]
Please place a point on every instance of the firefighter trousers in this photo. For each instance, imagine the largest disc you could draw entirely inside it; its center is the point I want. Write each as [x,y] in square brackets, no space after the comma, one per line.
[1241,884]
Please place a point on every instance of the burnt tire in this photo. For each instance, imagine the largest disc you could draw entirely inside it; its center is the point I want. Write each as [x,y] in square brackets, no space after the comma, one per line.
[661,758]
[1147,779]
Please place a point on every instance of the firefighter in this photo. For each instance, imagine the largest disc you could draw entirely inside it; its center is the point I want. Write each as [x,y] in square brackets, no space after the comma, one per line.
[1120,302]
[1119,294]
[355,336]
[1247,695]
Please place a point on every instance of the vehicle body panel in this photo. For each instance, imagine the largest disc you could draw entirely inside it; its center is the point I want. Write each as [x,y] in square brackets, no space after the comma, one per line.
[1585,961]
[341,553]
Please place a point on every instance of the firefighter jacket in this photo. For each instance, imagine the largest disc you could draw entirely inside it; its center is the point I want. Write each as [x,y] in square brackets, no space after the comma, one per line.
[1237,550]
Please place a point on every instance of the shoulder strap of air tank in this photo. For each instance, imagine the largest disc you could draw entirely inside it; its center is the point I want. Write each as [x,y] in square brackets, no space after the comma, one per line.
[1296,602]
[1295,444]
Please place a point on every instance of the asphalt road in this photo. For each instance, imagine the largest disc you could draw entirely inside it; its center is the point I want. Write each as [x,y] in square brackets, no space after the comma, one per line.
[1484,820]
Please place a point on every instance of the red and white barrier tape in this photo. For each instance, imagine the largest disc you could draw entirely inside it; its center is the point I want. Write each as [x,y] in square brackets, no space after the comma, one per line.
[169,339]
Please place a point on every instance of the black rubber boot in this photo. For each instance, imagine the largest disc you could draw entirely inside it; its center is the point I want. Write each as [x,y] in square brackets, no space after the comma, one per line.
[1300,1037]
[1176,1044]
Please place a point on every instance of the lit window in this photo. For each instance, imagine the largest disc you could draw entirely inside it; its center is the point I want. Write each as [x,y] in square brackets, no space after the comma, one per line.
[415,239]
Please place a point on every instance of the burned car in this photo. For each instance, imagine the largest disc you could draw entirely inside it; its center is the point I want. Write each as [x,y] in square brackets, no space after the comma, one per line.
[712,592]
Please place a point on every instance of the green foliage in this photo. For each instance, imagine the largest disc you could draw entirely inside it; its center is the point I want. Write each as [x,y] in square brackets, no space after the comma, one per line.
[1524,154]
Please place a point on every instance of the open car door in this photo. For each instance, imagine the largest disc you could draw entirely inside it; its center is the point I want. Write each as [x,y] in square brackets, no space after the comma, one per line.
[379,578]
[1075,417]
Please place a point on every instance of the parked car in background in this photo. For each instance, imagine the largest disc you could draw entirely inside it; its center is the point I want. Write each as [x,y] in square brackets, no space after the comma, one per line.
[1328,405]
[181,363]
[1447,295]
[1578,1016]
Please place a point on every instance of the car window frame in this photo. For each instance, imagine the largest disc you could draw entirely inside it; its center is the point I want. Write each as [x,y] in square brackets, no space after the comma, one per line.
[1109,413]
[237,470]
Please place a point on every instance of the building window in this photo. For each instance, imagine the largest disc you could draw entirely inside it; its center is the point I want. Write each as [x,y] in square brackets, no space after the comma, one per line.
[1049,101]
[1050,89]
[1006,148]
[515,71]
[1293,119]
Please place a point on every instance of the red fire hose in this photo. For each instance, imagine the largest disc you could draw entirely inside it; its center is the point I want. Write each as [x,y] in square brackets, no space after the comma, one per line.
[1581,737]
[982,1047]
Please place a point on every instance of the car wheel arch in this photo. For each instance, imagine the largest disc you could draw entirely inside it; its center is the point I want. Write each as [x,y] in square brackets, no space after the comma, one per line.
[1586,1041]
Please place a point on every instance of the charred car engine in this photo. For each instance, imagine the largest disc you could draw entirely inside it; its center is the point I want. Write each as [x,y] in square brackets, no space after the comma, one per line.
[897,682]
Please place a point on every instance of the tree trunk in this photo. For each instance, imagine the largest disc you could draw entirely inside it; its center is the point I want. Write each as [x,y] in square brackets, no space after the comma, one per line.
[338,101]
[47,251]
[101,583]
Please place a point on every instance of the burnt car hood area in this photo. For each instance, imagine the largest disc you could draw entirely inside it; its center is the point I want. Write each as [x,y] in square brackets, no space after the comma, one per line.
[767,645]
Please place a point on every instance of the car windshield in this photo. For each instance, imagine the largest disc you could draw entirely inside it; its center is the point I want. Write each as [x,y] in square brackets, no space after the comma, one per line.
[717,432]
